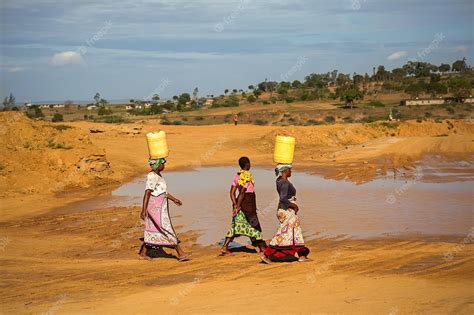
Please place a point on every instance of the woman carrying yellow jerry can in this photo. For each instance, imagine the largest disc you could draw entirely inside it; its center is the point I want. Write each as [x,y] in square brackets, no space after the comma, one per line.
[288,241]
[159,231]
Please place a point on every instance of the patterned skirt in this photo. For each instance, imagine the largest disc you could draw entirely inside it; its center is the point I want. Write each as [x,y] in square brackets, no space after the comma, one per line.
[159,230]
[241,227]
[288,239]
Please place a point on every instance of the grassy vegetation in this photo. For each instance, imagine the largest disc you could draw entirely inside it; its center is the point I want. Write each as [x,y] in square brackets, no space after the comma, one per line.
[53,145]
[261,122]
[376,104]
[330,119]
[269,109]
[114,119]
[62,127]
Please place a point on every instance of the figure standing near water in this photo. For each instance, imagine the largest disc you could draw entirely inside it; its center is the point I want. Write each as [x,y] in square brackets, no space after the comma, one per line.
[159,231]
[288,241]
[244,215]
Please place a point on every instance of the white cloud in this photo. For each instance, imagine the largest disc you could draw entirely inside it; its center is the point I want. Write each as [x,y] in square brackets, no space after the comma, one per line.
[66,57]
[398,55]
[460,49]
[15,69]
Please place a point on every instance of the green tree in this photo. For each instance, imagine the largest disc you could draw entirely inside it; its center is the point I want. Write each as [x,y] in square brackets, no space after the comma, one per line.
[184,98]
[418,69]
[282,90]
[34,112]
[399,73]
[257,92]
[251,87]
[444,67]
[435,88]
[226,91]
[357,79]
[232,101]
[414,89]
[9,102]
[317,80]
[97,97]
[104,111]
[155,98]
[169,105]
[57,117]
[296,84]
[342,79]
[195,93]
[352,94]
[460,87]
[155,109]
[459,65]
[381,74]
[251,99]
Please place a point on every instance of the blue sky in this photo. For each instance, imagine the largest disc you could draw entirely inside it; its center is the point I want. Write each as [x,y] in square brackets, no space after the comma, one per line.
[58,50]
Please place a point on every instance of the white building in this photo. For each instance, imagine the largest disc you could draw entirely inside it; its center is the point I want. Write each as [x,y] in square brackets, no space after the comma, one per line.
[469,100]
[424,101]
[209,102]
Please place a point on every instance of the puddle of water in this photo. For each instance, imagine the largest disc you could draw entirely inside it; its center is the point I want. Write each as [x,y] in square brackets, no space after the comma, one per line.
[328,208]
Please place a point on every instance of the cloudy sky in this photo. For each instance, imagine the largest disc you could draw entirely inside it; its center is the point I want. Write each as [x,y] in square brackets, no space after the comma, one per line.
[70,49]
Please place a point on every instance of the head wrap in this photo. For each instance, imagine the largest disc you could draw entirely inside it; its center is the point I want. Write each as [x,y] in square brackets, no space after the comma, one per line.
[280,168]
[245,177]
[155,163]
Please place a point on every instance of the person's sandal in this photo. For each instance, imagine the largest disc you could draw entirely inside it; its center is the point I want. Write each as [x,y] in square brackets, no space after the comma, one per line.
[186,257]
[265,259]
[226,253]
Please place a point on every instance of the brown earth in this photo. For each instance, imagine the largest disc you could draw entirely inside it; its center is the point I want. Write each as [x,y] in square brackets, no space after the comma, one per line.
[86,262]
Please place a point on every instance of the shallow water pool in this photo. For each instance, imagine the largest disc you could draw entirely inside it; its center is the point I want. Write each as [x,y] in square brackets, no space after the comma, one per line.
[328,208]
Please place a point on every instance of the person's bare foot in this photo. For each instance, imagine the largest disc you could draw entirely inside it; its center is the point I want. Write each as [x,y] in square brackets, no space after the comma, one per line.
[304,259]
[265,259]
[226,252]
[144,258]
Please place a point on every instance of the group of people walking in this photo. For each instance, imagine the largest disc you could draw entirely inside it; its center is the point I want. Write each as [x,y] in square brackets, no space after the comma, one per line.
[286,245]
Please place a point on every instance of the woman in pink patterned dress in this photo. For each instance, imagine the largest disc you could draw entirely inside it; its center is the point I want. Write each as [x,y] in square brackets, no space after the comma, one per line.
[159,231]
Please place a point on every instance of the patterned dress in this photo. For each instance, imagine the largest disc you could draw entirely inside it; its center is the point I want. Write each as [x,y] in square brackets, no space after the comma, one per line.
[245,222]
[159,230]
[289,230]
[288,240]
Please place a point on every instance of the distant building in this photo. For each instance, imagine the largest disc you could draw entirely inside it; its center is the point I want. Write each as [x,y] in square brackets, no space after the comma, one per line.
[134,106]
[91,107]
[436,101]
[423,101]
[209,102]
[469,100]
